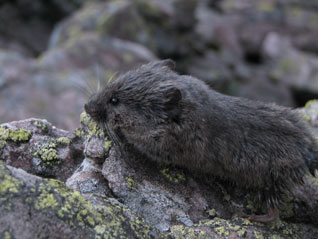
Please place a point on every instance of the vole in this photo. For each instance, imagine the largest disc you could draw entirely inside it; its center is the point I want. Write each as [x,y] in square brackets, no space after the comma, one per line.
[180,120]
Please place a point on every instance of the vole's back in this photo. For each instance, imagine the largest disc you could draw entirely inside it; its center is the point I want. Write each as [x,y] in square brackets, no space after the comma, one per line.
[261,145]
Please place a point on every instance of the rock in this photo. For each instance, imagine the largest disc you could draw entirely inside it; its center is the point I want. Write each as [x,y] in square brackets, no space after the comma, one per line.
[164,27]
[40,148]
[41,88]
[290,66]
[33,207]
[26,26]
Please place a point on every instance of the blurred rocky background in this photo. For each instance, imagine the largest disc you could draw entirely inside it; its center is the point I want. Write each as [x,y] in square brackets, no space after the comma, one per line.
[54,54]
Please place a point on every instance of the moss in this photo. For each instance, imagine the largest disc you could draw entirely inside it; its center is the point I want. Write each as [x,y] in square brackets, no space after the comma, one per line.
[64,140]
[16,135]
[172,175]
[180,232]
[48,154]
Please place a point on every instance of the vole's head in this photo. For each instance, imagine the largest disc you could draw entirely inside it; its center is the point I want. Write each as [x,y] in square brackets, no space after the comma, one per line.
[139,101]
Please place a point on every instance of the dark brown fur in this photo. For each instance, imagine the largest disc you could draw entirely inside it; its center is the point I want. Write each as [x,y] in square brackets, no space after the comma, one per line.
[180,120]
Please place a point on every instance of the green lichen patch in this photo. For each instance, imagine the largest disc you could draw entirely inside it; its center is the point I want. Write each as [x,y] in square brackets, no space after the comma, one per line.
[48,154]
[212,213]
[180,232]
[92,129]
[40,125]
[312,179]
[309,111]
[91,125]
[7,234]
[108,144]
[79,133]
[173,176]
[108,218]
[9,186]
[16,135]
[311,103]
[63,141]
[131,182]
[241,227]
[2,144]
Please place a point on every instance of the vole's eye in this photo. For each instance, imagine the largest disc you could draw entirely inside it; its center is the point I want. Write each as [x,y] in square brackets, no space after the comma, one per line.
[114,100]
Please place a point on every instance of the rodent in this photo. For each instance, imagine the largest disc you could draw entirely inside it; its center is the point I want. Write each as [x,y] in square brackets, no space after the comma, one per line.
[180,120]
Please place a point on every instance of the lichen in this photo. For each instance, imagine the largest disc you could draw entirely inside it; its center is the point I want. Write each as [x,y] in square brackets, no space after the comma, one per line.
[258,235]
[16,135]
[40,125]
[310,103]
[64,140]
[2,144]
[79,133]
[9,186]
[180,232]
[48,154]
[212,213]
[312,179]
[173,175]
[93,130]
[131,182]
[92,127]
[108,144]
[7,234]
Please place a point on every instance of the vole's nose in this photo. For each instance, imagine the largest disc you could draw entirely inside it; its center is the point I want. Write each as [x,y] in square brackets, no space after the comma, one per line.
[86,108]
[89,109]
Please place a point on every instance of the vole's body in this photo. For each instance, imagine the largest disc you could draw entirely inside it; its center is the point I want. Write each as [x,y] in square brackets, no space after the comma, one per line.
[180,120]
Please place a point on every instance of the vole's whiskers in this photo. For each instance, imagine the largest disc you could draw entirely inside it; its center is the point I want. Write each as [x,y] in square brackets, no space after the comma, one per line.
[98,77]
[111,78]
[80,82]
[113,137]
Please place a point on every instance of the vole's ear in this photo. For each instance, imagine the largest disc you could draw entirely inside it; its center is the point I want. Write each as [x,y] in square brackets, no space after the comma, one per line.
[172,104]
[168,63]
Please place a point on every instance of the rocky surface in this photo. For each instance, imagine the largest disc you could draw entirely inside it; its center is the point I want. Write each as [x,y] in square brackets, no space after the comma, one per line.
[61,184]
